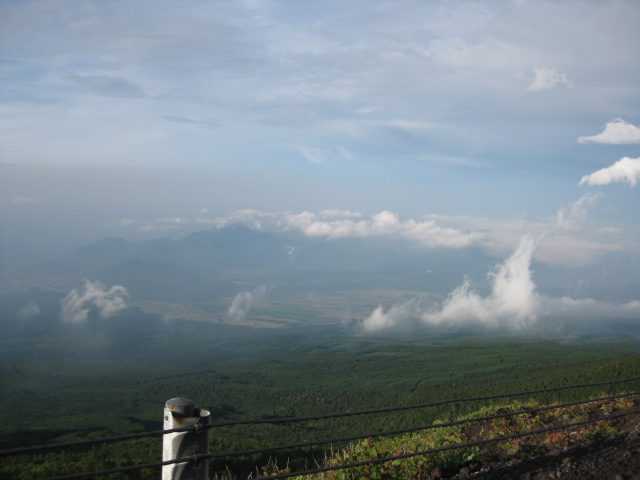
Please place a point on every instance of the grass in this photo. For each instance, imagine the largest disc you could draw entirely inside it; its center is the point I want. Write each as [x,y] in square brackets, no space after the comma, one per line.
[422,466]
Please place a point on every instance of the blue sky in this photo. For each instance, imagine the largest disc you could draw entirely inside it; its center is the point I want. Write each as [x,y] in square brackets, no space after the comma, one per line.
[451,123]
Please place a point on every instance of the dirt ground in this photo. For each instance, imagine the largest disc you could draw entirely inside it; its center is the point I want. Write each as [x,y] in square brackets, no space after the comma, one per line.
[614,458]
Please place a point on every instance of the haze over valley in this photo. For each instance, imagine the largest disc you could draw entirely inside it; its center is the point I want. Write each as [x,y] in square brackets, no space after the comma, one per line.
[279,208]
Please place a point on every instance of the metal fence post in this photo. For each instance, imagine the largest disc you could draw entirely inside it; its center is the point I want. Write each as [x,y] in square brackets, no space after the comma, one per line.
[180,412]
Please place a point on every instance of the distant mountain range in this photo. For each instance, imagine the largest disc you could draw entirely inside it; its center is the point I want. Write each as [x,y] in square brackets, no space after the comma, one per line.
[220,262]
[233,247]
[166,268]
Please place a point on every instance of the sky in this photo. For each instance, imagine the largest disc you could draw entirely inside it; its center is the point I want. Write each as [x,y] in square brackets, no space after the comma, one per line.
[454,124]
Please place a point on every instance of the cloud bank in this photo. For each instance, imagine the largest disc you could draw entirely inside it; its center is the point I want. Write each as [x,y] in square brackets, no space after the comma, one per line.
[616,132]
[625,170]
[513,304]
[384,224]
[568,239]
[79,301]
[336,224]
[513,301]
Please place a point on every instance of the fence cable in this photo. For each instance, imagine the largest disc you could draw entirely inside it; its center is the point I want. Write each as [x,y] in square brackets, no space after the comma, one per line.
[38,448]
[206,457]
[411,429]
[410,407]
[447,448]
[92,441]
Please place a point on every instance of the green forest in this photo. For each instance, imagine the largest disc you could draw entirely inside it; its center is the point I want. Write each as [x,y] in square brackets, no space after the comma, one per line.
[65,382]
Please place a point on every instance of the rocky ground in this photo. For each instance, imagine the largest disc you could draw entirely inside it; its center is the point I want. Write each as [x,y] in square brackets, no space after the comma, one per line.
[613,458]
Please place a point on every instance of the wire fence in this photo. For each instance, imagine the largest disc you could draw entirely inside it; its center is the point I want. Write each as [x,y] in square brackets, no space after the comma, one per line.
[343,440]
[155,433]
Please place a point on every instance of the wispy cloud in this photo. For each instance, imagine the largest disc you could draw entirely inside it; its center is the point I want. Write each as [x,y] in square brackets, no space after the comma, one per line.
[325,155]
[93,295]
[560,312]
[625,170]
[190,121]
[340,214]
[108,86]
[26,200]
[243,302]
[395,315]
[574,216]
[154,225]
[547,78]
[249,217]
[616,132]
[173,220]
[28,311]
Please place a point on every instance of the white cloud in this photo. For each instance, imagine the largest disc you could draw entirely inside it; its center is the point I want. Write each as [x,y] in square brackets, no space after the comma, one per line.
[386,223]
[546,78]
[325,155]
[616,132]
[79,301]
[410,125]
[125,222]
[172,220]
[381,319]
[243,302]
[164,224]
[367,110]
[573,217]
[566,243]
[513,302]
[340,214]
[249,217]
[625,170]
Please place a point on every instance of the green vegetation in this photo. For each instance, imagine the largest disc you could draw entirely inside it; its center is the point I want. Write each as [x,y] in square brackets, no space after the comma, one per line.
[62,382]
[421,466]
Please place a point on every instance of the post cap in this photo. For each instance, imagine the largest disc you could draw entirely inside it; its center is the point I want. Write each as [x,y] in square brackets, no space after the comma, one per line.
[180,406]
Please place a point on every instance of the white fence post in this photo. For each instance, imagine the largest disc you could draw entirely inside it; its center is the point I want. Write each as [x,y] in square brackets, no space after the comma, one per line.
[180,412]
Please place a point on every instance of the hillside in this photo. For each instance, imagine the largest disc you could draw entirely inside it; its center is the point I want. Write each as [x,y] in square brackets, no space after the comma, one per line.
[111,377]
[603,449]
